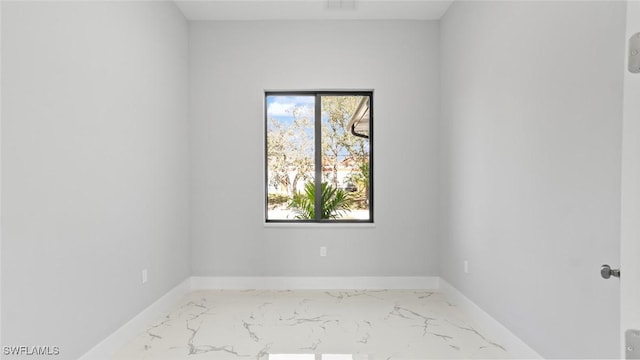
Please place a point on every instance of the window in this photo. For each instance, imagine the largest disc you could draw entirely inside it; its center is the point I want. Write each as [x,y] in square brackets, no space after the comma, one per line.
[319,156]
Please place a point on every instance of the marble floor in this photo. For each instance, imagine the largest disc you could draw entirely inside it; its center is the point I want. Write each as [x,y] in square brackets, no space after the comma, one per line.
[313,325]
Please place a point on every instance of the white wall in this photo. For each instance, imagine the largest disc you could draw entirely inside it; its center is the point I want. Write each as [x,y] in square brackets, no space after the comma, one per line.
[232,64]
[630,241]
[531,136]
[1,343]
[94,166]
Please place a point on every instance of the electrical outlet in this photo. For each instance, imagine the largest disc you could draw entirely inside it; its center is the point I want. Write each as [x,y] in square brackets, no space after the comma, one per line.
[466,267]
[145,278]
[323,251]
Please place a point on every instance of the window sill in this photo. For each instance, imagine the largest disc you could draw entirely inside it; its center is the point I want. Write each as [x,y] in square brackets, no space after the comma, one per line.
[280,225]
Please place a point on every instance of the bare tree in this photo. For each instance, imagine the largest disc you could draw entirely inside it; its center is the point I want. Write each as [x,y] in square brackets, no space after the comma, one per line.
[290,150]
[338,144]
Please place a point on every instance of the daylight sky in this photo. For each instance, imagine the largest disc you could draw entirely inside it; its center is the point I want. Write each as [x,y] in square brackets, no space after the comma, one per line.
[280,107]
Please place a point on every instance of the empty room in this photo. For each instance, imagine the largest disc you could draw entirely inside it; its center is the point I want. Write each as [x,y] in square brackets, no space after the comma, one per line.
[320,179]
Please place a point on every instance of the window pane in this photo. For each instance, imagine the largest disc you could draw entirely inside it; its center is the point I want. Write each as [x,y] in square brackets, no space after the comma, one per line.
[290,152]
[345,157]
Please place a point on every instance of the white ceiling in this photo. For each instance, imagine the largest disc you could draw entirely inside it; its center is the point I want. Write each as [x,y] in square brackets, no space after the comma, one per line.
[313,9]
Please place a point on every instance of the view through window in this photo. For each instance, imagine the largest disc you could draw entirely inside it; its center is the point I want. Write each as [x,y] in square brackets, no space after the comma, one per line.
[319,156]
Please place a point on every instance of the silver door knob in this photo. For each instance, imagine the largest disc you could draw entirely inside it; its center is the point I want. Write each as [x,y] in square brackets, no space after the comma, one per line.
[606,272]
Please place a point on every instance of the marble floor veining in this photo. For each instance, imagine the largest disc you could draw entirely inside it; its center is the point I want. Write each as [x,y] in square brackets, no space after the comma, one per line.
[313,325]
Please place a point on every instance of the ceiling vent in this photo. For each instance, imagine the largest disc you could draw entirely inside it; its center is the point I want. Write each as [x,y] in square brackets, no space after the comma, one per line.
[341,4]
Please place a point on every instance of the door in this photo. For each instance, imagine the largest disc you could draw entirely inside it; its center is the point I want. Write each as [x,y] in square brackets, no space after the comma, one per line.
[630,242]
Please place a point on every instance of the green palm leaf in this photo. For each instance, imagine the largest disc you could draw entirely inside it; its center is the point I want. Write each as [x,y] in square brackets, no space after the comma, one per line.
[335,202]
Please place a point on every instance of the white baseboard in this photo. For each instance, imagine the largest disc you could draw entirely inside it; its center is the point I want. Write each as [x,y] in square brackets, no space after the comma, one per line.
[516,347]
[315,283]
[140,323]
